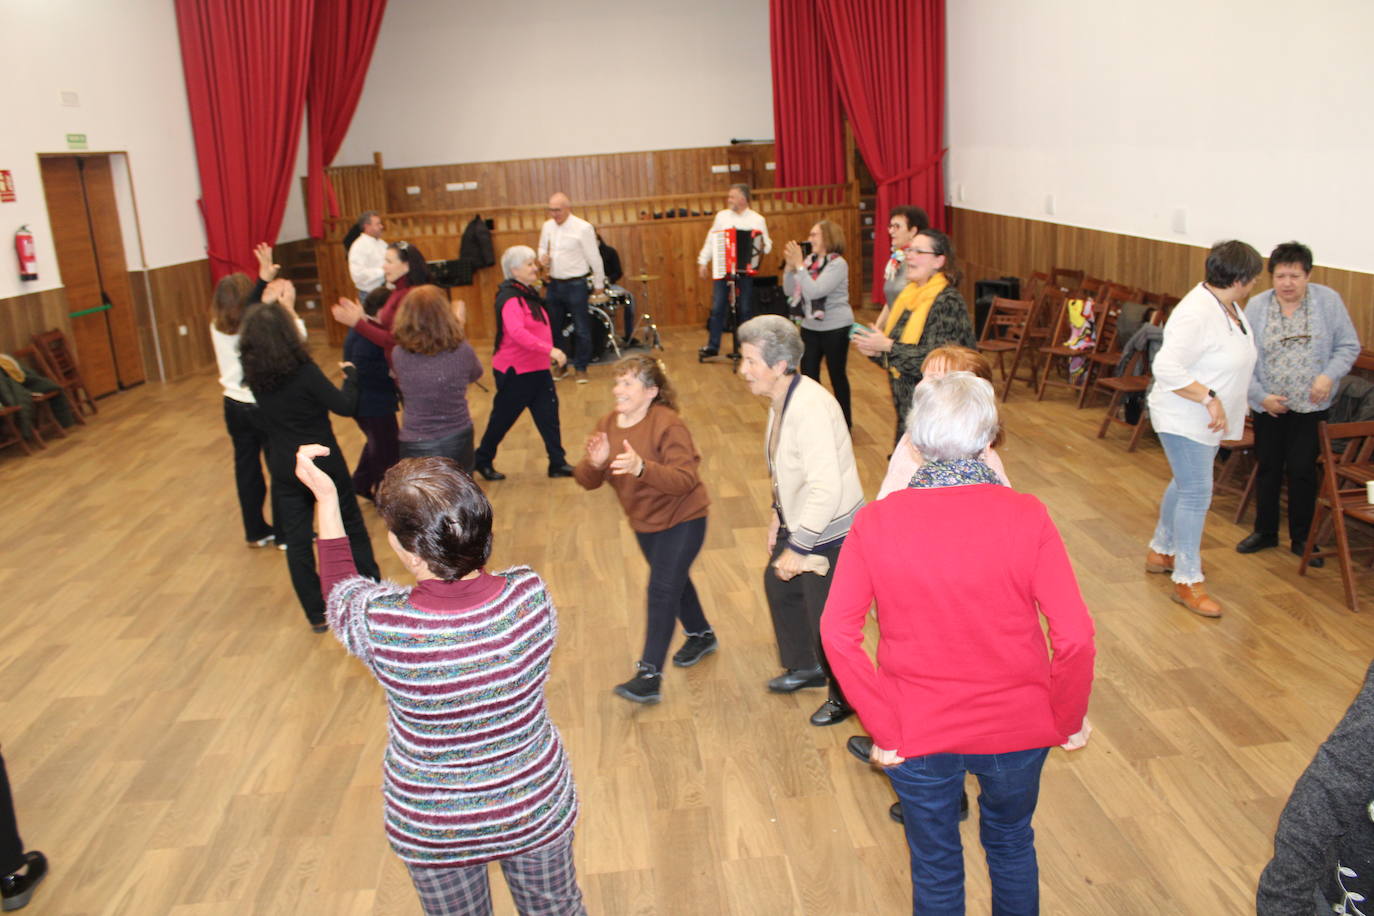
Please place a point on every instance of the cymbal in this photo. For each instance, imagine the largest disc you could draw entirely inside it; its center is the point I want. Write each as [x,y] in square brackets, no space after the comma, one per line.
[645,278]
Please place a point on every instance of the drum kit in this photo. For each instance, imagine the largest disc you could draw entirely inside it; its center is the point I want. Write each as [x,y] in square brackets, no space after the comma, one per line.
[604,307]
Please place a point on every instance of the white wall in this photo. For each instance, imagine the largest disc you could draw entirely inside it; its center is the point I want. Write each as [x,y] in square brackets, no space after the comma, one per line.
[489,81]
[1253,119]
[122,60]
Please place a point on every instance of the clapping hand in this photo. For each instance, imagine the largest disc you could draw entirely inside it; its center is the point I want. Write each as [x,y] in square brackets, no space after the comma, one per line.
[267,271]
[347,312]
[792,255]
[628,461]
[598,449]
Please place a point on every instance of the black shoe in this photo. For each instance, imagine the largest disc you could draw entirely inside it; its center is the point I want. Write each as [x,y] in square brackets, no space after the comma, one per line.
[1317,561]
[695,649]
[319,627]
[1256,542]
[795,679]
[860,746]
[895,812]
[644,687]
[16,889]
[707,353]
[832,712]
[489,473]
[560,470]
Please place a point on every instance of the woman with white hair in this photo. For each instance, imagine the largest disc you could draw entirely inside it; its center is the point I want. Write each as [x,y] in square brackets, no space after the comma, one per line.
[520,361]
[963,683]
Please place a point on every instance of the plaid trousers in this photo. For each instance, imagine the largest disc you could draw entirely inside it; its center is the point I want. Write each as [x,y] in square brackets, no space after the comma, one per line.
[543,882]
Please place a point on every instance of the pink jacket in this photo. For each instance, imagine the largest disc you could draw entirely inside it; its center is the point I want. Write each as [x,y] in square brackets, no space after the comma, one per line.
[525,342]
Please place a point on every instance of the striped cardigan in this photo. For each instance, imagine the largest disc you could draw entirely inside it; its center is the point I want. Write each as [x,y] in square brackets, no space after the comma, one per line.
[474,769]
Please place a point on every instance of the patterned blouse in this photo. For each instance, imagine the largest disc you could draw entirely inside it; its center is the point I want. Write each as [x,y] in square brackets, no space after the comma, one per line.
[1289,356]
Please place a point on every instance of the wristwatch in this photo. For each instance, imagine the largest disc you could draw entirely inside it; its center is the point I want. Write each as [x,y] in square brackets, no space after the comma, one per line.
[1211,396]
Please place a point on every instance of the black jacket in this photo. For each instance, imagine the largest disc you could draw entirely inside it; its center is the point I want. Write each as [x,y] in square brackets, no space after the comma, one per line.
[476,245]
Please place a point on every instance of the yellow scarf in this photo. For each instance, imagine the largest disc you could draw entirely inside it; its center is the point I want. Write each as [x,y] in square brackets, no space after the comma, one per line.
[917,300]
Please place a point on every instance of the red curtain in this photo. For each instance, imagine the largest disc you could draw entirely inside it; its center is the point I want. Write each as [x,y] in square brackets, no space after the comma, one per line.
[246,63]
[888,59]
[345,35]
[807,125]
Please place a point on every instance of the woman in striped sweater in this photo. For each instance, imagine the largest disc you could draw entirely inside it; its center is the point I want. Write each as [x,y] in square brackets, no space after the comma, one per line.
[474,771]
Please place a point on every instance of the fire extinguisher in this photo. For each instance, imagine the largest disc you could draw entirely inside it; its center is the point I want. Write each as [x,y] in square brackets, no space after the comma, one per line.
[28,254]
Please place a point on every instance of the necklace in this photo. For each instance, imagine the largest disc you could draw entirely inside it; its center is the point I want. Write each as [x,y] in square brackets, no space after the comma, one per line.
[1232,318]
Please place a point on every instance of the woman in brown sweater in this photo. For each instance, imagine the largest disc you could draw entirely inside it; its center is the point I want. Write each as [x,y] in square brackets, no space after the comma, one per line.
[644,451]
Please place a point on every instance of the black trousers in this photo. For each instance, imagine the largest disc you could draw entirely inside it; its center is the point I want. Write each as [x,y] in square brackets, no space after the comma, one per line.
[295,507]
[571,297]
[903,389]
[516,392]
[672,597]
[796,607]
[11,847]
[834,347]
[1287,447]
[380,452]
[249,439]
[457,446]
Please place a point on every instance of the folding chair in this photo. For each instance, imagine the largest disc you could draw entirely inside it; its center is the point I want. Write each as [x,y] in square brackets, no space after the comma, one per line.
[1007,331]
[59,365]
[1343,494]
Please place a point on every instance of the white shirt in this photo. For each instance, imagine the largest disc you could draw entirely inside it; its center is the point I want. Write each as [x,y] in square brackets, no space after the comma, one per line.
[1201,344]
[230,368]
[365,257]
[729,219]
[572,250]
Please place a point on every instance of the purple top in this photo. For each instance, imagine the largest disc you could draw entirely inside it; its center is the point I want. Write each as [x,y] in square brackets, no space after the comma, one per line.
[434,389]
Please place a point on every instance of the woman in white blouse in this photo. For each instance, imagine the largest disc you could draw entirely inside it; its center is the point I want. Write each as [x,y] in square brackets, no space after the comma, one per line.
[1201,377]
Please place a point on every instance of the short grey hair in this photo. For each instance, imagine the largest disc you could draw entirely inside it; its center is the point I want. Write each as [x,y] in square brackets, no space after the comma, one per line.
[743,189]
[513,257]
[952,417]
[777,338]
[367,215]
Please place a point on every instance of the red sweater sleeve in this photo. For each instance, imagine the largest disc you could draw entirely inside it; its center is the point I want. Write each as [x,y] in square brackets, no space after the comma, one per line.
[842,634]
[1070,629]
[336,563]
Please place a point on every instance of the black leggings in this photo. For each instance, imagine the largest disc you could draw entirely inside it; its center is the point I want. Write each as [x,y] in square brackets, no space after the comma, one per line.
[834,346]
[672,597]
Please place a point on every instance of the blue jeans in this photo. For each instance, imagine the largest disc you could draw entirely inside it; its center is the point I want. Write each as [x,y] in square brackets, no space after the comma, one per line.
[720,307]
[569,297]
[1183,510]
[929,788]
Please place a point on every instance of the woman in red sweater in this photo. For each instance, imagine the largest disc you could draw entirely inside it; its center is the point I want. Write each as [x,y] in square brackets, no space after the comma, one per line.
[963,683]
[644,451]
[404,267]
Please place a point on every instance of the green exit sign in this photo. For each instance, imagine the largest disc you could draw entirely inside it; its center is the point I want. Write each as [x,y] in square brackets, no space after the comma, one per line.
[76,141]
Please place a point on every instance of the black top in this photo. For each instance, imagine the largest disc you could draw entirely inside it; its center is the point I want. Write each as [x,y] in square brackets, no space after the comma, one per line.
[297,413]
[610,263]
[376,389]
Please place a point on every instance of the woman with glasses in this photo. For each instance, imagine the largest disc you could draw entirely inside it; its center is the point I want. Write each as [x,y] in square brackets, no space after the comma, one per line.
[1201,375]
[1306,343]
[929,313]
[903,223]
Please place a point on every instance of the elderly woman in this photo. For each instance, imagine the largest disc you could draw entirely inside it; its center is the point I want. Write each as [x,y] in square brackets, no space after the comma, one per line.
[929,313]
[903,223]
[1202,374]
[1306,343]
[294,403]
[404,267]
[645,452]
[817,285]
[434,366]
[474,770]
[520,361]
[963,683]
[816,492]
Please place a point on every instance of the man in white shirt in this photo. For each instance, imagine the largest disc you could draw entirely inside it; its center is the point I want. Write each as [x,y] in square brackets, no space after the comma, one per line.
[737,215]
[366,254]
[567,247]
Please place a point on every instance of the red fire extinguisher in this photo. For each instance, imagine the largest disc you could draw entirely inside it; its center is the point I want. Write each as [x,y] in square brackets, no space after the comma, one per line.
[28,254]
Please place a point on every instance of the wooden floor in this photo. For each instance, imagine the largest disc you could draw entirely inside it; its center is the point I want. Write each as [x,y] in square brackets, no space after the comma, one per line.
[180,742]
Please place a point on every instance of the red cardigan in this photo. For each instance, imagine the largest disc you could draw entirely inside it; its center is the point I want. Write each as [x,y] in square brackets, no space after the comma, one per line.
[958,574]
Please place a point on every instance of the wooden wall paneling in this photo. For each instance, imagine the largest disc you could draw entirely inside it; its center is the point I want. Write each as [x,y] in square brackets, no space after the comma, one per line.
[997,245]
[181,293]
[23,316]
[114,271]
[90,334]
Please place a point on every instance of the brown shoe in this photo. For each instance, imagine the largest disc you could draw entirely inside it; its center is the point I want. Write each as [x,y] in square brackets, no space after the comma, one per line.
[1194,597]
[1158,562]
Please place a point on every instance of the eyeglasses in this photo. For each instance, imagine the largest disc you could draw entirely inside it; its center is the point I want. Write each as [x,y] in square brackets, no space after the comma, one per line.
[921,251]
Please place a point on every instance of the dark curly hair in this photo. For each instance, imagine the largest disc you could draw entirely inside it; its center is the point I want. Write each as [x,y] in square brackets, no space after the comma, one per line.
[270,348]
[438,514]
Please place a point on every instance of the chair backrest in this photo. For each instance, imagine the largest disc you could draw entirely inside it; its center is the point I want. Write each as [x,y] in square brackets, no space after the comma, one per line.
[1007,319]
[1343,444]
[1057,304]
[1066,279]
[1032,286]
[1093,288]
[52,350]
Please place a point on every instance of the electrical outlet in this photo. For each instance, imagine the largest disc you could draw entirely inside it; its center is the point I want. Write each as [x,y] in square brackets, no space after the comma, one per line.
[961,192]
[412,189]
[1049,204]
[770,166]
[734,166]
[454,186]
[719,169]
[183,330]
[470,185]
[311,304]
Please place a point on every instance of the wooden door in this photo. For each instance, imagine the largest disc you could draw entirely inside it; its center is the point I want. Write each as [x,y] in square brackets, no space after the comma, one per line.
[76,258]
[114,272]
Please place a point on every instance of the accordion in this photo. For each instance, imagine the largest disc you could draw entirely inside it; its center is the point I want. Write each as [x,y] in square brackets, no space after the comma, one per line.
[735,251]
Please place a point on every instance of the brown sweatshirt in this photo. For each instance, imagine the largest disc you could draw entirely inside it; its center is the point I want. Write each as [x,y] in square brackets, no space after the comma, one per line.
[669,492]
